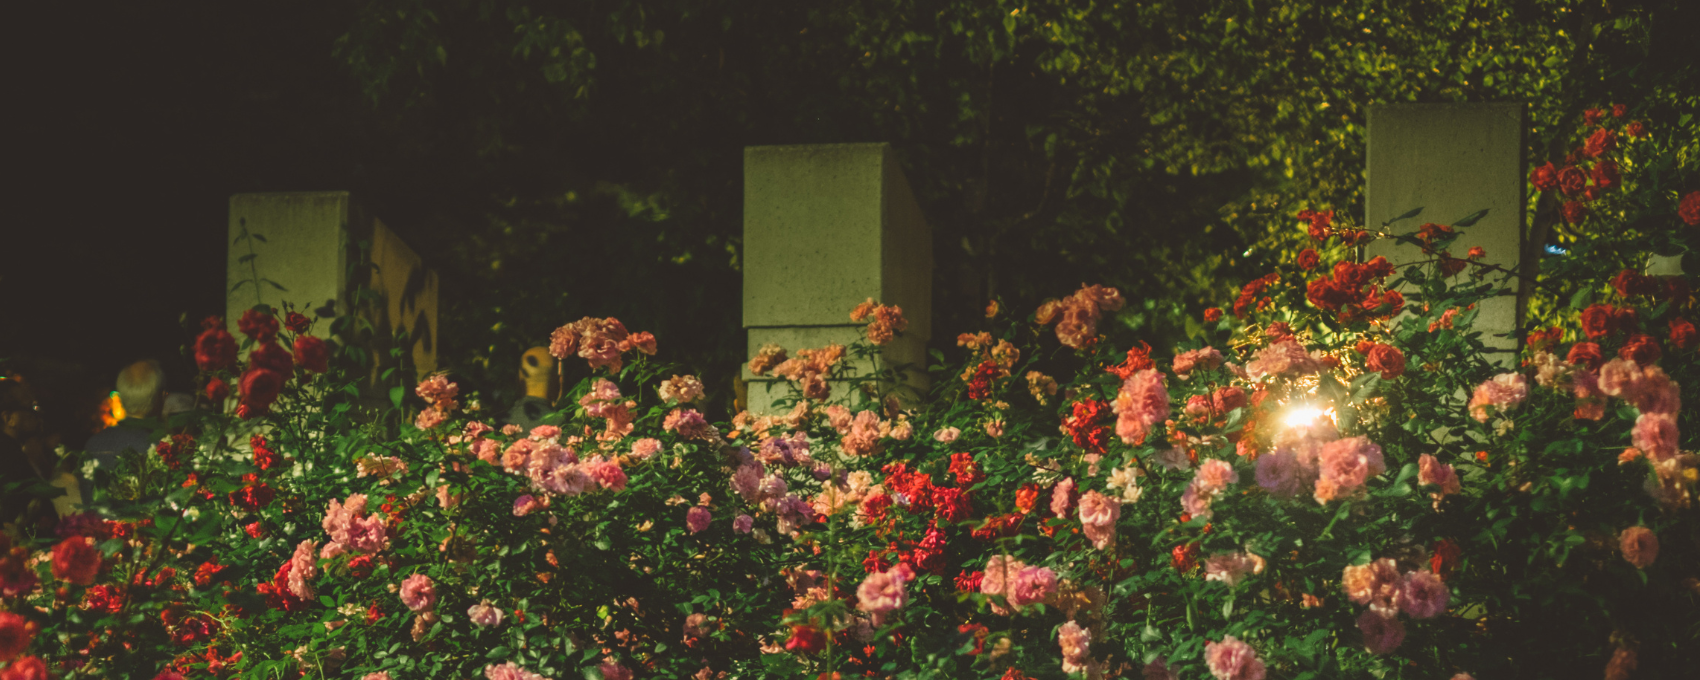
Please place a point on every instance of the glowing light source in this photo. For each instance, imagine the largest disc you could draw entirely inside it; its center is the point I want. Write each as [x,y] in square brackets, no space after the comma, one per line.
[1302,415]
[111,410]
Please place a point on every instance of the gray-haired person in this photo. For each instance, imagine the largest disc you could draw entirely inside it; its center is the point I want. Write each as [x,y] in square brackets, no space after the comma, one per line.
[141,391]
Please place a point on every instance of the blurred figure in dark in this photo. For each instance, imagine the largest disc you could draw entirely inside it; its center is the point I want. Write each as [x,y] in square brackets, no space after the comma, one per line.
[537,371]
[20,422]
[141,391]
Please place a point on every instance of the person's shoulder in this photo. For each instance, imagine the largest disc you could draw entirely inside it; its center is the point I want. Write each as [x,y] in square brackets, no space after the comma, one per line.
[125,435]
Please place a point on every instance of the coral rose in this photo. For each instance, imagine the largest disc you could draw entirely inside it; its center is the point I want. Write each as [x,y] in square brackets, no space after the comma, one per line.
[1386,360]
[27,668]
[1640,546]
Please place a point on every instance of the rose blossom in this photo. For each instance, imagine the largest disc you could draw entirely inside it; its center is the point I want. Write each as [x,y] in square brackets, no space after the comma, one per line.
[524,505]
[1076,644]
[1232,568]
[681,389]
[743,523]
[882,592]
[1422,595]
[302,569]
[1207,358]
[1034,585]
[697,518]
[419,593]
[16,632]
[1375,583]
[1141,404]
[1098,515]
[484,614]
[1656,435]
[1640,546]
[1284,358]
[1062,497]
[1504,392]
[1214,476]
[1232,659]
[1431,471]
[947,435]
[999,582]
[380,675]
[76,560]
[509,671]
[1383,633]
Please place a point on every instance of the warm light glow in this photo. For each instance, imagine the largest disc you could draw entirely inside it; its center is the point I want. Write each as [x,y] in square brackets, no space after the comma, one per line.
[111,410]
[1302,415]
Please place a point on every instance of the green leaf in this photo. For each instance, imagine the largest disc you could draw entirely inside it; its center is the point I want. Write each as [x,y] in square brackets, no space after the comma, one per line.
[246,258]
[396,394]
[498,652]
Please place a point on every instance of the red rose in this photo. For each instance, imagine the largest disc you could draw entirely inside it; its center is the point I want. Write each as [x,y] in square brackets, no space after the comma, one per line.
[297,322]
[273,357]
[1619,110]
[1591,117]
[1585,354]
[1635,129]
[1602,141]
[1682,334]
[805,639]
[75,560]
[1598,321]
[1387,360]
[1212,315]
[27,668]
[1574,212]
[1227,399]
[253,497]
[258,325]
[1308,259]
[969,581]
[254,530]
[264,457]
[1184,557]
[1606,176]
[217,391]
[16,632]
[215,349]
[259,389]
[1445,559]
[1572,180]
[312,353]
[1641,349]
[360,567]
[1545,177]
[1631,283]
[1676,290]
[1689,209]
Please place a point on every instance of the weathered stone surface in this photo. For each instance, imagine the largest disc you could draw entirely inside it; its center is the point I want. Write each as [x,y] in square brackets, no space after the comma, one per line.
[1452,160]
[305,242]
[826,227]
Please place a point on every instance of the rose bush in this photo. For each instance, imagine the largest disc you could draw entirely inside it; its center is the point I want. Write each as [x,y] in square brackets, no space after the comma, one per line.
[1340,478]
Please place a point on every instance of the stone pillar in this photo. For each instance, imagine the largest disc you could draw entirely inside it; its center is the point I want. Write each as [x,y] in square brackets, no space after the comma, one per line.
[826,227]
[1452,160]
[301,247]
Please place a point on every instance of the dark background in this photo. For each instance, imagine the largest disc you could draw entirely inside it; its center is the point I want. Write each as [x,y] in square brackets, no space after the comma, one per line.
[557,160]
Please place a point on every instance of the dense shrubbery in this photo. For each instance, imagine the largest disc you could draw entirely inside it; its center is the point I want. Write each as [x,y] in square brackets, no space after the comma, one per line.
[1338,480]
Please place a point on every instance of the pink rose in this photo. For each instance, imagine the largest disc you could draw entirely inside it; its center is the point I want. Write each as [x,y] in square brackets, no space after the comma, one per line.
[1098,515]
[419,593]
[484,615]
[947,435]
[1422,595]
[743,524]
[1034,585]
[1232,659]
[882,592]
[1383,633]
[697,518]
[1076,644]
